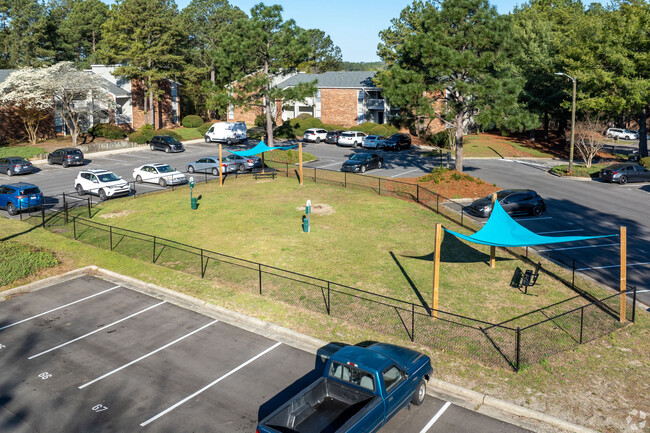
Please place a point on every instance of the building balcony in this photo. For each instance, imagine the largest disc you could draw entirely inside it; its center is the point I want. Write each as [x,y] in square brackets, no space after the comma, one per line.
[375,104]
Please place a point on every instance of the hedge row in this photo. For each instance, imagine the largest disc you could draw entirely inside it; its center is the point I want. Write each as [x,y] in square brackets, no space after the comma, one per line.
[145,135]
[192,121]
[107,130]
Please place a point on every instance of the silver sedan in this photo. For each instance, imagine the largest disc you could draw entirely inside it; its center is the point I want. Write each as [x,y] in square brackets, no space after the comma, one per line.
[210,164]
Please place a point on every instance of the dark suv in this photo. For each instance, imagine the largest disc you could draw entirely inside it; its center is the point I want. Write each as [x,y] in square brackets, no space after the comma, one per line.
[333,136]
[398,142]
[513,201]
[66,156]
[166,143]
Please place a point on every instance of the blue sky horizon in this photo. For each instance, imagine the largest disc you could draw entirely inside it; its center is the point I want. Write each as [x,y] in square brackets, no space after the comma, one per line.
[353,25]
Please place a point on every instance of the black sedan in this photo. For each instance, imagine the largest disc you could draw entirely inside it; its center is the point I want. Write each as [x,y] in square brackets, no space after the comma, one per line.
[15,165]
[513,201]
[398,142]
[624,173]
[166,143]
[66,156]
[360,162]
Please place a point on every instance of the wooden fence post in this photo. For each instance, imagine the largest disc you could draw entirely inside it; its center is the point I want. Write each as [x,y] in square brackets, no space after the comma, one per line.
[436,270]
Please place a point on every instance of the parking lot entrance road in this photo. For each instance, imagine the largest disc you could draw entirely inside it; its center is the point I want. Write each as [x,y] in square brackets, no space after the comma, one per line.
[89,354]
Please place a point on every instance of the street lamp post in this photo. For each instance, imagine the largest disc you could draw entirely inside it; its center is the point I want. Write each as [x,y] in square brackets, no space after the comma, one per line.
[573,119]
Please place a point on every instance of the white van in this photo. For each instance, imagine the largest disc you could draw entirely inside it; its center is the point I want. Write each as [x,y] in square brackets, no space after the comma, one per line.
[228,132]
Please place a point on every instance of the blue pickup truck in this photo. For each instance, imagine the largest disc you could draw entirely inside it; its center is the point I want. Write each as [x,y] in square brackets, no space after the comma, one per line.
[360,390]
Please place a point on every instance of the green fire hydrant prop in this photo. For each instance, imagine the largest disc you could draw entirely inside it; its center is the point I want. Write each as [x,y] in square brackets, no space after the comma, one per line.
[193,203]
[305,218]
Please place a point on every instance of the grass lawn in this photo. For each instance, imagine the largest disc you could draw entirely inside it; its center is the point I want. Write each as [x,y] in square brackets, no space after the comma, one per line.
[489,145]
[188,133]
[22,151]
[373,243]
[18,261]
[602,385]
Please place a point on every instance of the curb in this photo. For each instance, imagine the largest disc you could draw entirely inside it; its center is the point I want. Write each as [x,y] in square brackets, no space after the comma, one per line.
[291,338]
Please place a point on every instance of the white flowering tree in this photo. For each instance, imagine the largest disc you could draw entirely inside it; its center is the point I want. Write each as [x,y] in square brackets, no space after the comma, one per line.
[77,96]
[23,91]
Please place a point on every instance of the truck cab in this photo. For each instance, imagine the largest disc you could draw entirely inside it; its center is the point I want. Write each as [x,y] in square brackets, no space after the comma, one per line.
[361,389]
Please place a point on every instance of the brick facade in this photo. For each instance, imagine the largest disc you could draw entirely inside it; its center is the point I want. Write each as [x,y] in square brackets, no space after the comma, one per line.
[12,127]
[163,116]
[339,107]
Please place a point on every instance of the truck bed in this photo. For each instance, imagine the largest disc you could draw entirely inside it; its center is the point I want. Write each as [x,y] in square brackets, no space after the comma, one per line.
[322,408]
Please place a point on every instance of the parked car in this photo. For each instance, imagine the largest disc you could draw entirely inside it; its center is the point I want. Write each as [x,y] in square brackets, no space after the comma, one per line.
[398,142]
[16,197]
[161,174]
[351,138]
[360,389]
[210,164]
[625,134]
[315,135]
[374,141]
[15,165]
[513,201]
[244,163]
[227,132]
[361,162]
[333,136]
[66,156]
[102,183]
[166,143]
[624,173]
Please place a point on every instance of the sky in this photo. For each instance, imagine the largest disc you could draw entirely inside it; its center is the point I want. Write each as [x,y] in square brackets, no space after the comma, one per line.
[353,25]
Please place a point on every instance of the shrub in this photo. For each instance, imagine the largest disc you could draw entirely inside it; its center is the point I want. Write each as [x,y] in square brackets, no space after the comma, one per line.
[139,137]
[304,116]
[168,132]
[331,127]
[380,130]
[645,162]
[366,127]
[441,140]
[192,121]
[286,130]
[107,130]
[204,128]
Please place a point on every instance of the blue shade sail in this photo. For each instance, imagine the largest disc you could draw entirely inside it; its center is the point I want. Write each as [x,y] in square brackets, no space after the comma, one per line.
[501,230]
[261,148]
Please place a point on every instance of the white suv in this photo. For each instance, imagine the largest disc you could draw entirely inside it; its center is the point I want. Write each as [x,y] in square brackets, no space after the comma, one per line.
[103,183]
[625,134]
[315,135]
[351,138]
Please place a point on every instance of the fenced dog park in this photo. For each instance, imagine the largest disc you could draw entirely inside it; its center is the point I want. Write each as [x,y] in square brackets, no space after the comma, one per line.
[368,260]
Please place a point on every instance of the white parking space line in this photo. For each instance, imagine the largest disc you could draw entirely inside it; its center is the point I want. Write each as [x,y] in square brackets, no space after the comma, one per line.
[147,355]
[191,396]
[612,266]
[561,231]
[138,156]
[111,159]
[435,417]
[576,248]
[58,308]
[97,330]
[406,172]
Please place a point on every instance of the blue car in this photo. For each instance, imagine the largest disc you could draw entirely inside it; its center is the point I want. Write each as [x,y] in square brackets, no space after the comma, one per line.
[17,197]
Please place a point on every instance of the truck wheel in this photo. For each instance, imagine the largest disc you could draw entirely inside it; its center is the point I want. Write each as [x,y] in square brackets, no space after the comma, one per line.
[420,393]
[229,142]
[207,139]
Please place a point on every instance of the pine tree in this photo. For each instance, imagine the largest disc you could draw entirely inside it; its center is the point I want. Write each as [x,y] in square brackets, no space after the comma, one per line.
[146,35]
[461,54]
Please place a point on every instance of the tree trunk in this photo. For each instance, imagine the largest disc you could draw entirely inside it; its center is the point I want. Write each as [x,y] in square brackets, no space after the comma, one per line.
[145,104]
[547,121]
[267,107]
[643,134]
[151,107]
[459,141]
[32,129]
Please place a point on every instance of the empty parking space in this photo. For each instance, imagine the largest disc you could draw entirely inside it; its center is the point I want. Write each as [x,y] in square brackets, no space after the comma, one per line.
[92,355]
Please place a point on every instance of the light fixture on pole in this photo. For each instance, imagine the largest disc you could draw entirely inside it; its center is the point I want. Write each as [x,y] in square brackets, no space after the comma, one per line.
[573,118]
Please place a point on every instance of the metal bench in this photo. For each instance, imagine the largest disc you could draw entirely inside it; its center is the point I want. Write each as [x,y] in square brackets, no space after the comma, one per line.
[526,279]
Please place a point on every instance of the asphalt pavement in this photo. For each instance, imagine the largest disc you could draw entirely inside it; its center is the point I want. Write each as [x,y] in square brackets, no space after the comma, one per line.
[88,354]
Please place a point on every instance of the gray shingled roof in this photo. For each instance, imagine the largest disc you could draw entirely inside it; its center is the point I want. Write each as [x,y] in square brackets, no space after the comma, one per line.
[4,74]
[114,89]
[334,80]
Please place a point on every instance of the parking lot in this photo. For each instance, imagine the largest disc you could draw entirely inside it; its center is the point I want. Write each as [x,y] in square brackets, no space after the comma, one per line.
[92,355]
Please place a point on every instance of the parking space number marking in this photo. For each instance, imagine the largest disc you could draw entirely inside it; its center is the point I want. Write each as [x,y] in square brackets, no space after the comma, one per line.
[99,408]
[45,375]
[2,346]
